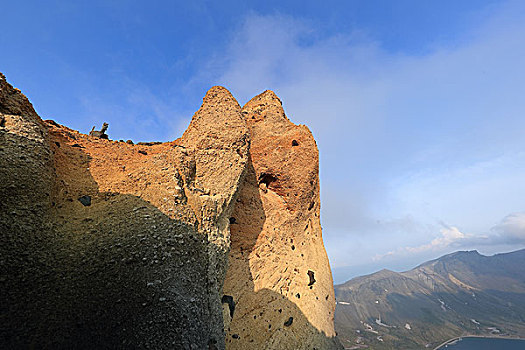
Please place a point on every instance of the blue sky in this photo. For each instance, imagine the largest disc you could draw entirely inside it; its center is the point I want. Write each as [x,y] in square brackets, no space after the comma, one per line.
[417,106]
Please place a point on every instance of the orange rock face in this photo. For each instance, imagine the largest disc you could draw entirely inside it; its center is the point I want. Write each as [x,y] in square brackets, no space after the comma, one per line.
[106,244]
[278,275]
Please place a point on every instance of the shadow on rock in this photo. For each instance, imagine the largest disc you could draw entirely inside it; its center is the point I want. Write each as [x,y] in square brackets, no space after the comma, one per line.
[262,319]
[114,273]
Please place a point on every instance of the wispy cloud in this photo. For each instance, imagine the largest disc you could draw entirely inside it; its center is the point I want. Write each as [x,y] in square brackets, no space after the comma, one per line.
[450,238]
[512,228]
[510,231]
[134,111]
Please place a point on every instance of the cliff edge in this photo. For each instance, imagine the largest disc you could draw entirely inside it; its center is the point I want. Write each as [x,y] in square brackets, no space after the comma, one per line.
[106,244]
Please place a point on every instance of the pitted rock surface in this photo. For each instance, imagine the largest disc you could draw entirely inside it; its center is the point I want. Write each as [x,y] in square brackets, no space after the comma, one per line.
[276,241]
[142,263]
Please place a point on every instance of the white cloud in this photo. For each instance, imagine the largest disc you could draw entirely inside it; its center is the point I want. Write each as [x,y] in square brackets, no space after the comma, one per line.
[450,237]
[512,228]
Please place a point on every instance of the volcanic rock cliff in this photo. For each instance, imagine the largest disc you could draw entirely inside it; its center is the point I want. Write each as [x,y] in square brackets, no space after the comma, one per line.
[279,273]
[199,243]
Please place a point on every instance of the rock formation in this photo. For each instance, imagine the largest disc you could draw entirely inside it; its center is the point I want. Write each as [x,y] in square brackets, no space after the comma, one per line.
[107,244]
[278,275]
[100,133]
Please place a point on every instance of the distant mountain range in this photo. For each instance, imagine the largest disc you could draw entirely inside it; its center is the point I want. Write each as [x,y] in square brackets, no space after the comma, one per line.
[458,294]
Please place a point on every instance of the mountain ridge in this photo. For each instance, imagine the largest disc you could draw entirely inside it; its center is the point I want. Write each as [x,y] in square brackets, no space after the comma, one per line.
[460,293]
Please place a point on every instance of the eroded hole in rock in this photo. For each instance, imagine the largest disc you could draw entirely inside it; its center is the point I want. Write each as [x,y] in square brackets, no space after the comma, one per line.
[293,247]
[295,143]
[212,344]
[228,299]
[288,322]
[235,336]
[232,220]
[85,200]
[312,278]
[266,179]
[298,296]
[143,152]
[311,206]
